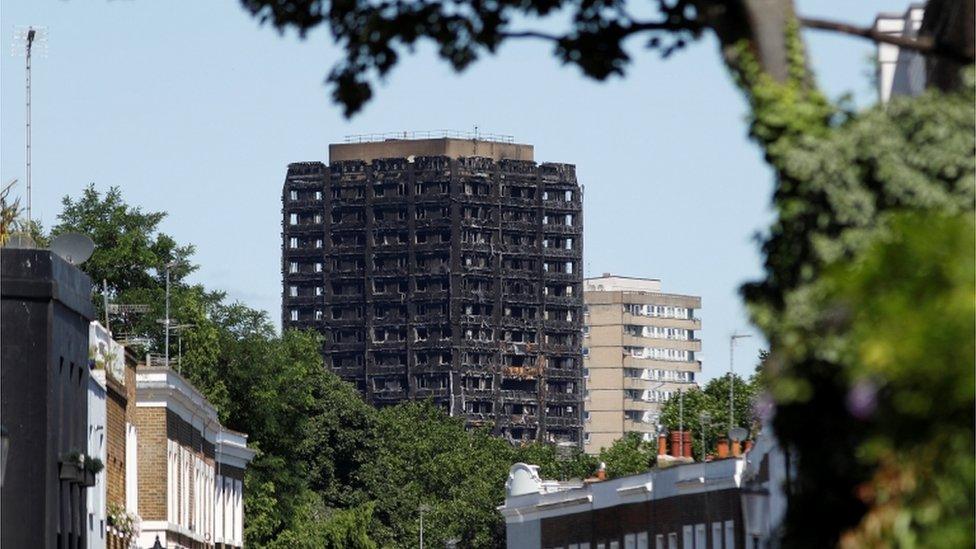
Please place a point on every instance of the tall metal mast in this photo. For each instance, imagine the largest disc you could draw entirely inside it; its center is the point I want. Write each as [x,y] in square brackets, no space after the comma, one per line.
[30,37]
[31,34]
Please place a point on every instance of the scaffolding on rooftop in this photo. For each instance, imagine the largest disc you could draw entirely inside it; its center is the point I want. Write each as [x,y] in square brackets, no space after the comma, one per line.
[475,135]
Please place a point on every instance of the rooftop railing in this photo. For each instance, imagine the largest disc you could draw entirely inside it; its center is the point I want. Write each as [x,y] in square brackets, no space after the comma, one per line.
[431,134]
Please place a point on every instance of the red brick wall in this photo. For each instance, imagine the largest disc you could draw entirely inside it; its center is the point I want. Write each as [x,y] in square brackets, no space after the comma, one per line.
[151,423]
[115,405]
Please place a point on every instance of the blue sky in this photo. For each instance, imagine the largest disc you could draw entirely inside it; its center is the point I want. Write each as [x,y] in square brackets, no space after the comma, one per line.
[195,109]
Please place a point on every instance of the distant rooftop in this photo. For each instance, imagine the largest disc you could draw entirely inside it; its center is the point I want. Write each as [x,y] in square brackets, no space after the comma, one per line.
[450,143]
[616,283]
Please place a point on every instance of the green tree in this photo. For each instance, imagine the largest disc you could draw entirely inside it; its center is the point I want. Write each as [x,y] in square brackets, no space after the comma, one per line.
[424,458]
[592,36]
[708,408]
[317,527]
[628,455]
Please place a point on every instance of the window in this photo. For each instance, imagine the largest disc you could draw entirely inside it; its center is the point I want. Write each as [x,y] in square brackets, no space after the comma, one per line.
[659,541]
[586,416]
[700,542]
[586,351]
[642,540]
[318,290]
[293,242]
[586,438]
[293,219]
[318,267]
[730,533]
[292,291]
[318,195]
[294,314]
[318,242]
[630,541]
[293,267]
[293,195]
[673,540]
[716,535]
[687,539]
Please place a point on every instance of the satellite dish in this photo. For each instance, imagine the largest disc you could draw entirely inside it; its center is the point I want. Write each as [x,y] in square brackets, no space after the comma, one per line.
[738,433]
[75,248]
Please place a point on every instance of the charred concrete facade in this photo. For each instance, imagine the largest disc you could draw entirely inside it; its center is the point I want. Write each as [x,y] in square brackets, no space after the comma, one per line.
[437,275]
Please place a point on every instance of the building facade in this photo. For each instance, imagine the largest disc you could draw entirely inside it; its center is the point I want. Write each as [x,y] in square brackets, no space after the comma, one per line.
[447,269]
[114,369]
[900,71]
[191,469]
[723,504]
[44,316]
[640,347]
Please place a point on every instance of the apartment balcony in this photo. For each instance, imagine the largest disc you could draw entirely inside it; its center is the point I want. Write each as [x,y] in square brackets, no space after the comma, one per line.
[304,229]
[683,323]
[560,253]
[440,392]
[561,276]
[564,421]
[561,229]
[631,426]
[569,206]
[676,344]
[556,397]
[640,405]
[304,205]
[657,364]
[641,384]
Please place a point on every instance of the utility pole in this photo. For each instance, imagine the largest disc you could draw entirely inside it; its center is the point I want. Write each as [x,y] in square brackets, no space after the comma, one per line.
[166,321]
[422,509]
[732,340]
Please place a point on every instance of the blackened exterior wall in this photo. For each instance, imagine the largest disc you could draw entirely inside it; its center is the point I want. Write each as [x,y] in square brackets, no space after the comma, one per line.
[455,279]
[46,309]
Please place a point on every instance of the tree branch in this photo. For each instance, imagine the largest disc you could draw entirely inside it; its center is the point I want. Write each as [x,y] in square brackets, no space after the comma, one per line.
[923,44]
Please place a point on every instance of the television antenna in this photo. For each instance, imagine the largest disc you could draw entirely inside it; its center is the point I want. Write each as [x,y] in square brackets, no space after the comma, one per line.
[26,40]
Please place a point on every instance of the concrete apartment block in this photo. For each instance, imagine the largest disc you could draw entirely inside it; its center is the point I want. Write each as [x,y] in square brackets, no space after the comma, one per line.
[640,348]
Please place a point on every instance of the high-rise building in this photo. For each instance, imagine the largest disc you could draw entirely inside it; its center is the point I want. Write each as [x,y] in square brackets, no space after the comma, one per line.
[447,269]
[639,350]
[900,71]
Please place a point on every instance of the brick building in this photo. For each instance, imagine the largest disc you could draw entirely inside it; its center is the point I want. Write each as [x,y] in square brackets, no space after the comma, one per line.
[114,368]
[722,504]
[447,269]
[190,468]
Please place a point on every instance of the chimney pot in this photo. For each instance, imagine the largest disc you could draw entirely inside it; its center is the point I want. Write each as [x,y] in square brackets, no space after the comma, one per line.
[723,448]
[601,472]
[662,444]
[676,444]
[736,448]
[686,444]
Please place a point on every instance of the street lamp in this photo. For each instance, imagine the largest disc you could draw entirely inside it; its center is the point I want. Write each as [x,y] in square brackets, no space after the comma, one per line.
[732,340]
